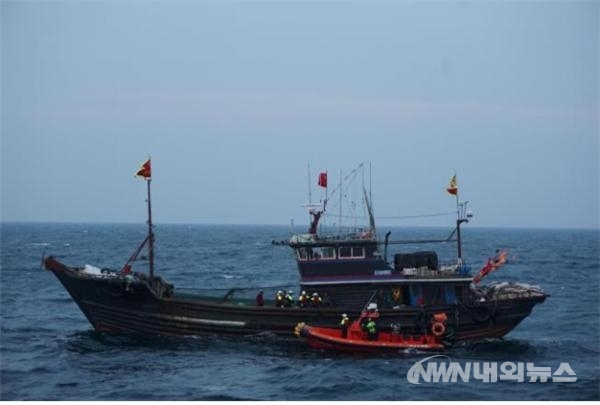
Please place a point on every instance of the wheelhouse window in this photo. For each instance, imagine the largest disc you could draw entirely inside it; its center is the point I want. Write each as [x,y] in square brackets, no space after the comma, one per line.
[358,252]
[327,253]
[345,252]
[351,252]
[316,253]
[302,253]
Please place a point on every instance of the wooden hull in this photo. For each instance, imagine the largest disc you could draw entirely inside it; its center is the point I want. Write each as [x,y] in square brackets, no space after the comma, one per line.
[111,304]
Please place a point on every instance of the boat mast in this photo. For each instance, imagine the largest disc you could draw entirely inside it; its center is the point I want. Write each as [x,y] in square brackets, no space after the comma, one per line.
[309,194]
[150,234]
[370,185]
[463,217]
[309,188]
[146,172]
[341,199]
[324,205]
[459,246]
[460,218]
[458,222]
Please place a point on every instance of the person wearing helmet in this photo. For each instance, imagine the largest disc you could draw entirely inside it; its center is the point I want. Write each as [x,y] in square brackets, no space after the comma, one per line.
[303,299]
[279,301]
[316,300]
[345,323]
[371,329]
[288,300]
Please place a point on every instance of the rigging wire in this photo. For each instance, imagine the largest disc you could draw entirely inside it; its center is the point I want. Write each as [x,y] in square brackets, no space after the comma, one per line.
[439,214]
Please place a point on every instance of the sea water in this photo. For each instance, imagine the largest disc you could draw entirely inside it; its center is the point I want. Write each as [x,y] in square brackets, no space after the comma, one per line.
[49,351]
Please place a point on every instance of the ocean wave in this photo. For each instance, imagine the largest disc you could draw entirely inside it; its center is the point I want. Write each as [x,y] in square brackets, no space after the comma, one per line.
[50,351]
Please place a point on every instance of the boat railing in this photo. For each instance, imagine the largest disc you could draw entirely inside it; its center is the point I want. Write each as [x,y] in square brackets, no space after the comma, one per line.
[237,295]
[352,234]
[308,239]
[449,268]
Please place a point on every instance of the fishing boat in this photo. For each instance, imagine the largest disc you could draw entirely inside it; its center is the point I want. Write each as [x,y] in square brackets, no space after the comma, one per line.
[356,338]
[344,271]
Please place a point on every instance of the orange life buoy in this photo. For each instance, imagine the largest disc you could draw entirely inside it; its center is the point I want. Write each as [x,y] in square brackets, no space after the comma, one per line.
[438,329]
[440,317]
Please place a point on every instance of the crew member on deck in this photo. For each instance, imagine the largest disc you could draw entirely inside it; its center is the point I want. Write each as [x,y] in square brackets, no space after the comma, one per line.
[288,300]
[303,299]
[371,329]
[260,299]
[316,300]
[345,323]
[279,299]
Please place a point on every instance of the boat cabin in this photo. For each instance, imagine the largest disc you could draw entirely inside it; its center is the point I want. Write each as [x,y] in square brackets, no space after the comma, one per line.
[336,257]
[350,270]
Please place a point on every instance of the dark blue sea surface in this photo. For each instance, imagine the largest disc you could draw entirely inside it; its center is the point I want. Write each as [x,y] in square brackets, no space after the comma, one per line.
[49,351]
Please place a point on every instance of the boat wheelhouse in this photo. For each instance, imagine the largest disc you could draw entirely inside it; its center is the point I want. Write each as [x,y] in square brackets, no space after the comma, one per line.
[352,268]
[349,268]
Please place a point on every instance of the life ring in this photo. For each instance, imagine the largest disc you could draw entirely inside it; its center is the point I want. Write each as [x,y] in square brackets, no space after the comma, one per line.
[438,329]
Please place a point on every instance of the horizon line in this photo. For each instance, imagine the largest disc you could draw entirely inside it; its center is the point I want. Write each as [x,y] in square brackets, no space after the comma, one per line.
[69,222]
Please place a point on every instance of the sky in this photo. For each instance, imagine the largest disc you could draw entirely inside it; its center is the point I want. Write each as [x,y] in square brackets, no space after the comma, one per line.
[234,101]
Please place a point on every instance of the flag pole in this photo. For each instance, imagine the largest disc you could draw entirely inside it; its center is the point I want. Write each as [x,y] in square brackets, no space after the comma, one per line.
[457,207]
[456,195]
[309,188]
[459,221]
[341,201]
[150,235]
[326,191]
[453,189]
[309,194]
[146,172]
[325,200]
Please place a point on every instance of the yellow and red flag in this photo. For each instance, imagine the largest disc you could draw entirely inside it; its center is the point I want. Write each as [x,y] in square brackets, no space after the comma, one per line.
[145,170]
[453,186]
[493,264]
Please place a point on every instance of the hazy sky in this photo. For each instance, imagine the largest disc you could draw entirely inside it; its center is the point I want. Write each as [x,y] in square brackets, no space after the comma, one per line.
[233,99]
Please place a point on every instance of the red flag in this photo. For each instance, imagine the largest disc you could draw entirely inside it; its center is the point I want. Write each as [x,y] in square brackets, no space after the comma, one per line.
[492,265]
[323,179]
[453,186]
[146,170]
